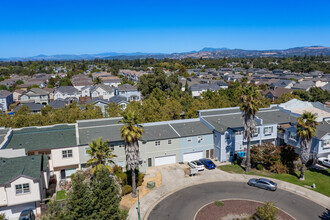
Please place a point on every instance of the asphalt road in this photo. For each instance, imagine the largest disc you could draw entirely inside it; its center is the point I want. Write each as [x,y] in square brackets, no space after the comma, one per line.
[183,204]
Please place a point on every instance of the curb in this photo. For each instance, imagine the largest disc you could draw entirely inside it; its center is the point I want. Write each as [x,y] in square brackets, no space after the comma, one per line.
[241,199]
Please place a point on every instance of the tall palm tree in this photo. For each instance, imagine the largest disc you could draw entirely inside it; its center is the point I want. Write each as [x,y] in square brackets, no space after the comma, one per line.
[131,132]
[250,99]
[100,153]
[306,127]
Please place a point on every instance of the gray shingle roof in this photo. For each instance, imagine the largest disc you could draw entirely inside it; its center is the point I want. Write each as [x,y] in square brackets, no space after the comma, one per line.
[108,129]
[43,138]
[39,91]
[158,132]
[32,106]
[276,116]
[97,99]
[187,129]
[118,99]
[3,133]
[67,89]
[126,87]
[58,103]
[30,166]
[322,129]
[4,93]
[218,111]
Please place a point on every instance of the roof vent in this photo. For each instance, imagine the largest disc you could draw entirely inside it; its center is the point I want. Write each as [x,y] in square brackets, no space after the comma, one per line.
[3,161]
[32,158]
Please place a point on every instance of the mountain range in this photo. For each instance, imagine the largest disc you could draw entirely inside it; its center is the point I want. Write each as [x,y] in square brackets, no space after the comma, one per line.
[207,53]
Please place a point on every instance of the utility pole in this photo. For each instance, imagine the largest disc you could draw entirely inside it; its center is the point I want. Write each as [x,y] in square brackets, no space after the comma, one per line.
[138,208]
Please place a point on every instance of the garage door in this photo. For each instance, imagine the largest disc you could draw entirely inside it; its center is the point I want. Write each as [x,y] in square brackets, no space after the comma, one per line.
[13,212]
[192,156]
[165,160]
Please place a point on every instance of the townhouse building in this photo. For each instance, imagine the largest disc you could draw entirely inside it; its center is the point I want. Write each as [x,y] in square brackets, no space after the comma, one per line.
[129,92]
[23,184]
[6,99]
[35,95]
[67,92]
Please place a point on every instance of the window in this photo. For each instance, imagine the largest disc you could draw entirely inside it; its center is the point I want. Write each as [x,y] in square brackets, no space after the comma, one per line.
[157,143]
[256,133]
[227,136]
[189,139]
[268,130]
[66,153]
[22,188]
[326,143]
[169,142]
[293,136]
[239,132]
[112,147]
[199,138]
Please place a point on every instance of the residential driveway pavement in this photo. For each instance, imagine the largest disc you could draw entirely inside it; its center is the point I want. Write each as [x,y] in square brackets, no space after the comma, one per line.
[179,194]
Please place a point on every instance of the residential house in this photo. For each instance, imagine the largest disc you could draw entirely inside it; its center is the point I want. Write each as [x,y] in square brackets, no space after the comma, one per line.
[287,84]
[58,103]
[67,92]
[304,85]
[80,81]
[23,184]
[51,93]
[198,89]
[34,107]
[132,74]
[17,94]
[326,87]
[102,91]
[6,99]
[102,103]
[120,100]
[107,79]
[9,82]
[276,93]
[129,92]
[35,95]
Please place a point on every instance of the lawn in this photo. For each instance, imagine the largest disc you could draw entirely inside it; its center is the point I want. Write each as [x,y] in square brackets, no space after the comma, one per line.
[60,195]
[321,178]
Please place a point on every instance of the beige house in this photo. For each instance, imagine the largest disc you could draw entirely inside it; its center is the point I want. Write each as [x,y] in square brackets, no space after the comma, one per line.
[23,184]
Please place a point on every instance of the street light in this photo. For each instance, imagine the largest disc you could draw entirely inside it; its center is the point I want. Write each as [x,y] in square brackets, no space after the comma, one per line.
[138,208]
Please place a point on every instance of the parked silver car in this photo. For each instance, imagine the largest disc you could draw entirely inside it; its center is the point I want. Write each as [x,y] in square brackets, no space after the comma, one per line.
[263,183]
[196,164]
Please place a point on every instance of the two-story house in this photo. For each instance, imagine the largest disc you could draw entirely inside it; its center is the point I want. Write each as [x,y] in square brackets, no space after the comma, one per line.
[129,92]
[6,99]
[67,93]
[23,184]
[102,91]
[35,95]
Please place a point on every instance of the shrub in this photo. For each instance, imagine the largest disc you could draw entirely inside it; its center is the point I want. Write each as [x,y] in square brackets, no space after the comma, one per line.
[267,211]
[260,167]
[266,154]
[279,168]
[2,216]
[140,179]
[126,190]
[289,156]
[219,203]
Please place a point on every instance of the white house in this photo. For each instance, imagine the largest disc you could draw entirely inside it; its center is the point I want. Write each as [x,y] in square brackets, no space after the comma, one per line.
[65,92]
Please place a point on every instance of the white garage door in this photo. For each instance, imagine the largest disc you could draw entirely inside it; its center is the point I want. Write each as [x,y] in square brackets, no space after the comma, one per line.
[192,156]
[13,212]
[165,160]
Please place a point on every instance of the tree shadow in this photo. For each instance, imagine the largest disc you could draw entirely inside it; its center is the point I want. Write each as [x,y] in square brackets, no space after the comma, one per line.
[324,172]
[325,215]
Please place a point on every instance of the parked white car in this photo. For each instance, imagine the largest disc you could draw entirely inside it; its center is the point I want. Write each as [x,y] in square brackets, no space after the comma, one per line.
[324,161]
[195,164]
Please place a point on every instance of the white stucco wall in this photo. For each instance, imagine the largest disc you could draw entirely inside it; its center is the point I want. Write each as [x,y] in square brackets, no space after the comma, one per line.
[32,196]
[59,161]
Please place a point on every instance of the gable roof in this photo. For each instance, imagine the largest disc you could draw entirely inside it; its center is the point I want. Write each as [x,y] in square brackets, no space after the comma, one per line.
[191,128]
[118,99]
[43,138]
[322,129]
[158,132]
[32,106]
[27,166]
[58,103]
[4,93]
[282,83]
[67,89]
[104,87]
[277,92]
[126,87]
[39,91]
[96,100]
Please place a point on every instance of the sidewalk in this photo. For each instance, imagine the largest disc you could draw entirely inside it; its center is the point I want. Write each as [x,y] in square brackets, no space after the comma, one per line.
[173,180]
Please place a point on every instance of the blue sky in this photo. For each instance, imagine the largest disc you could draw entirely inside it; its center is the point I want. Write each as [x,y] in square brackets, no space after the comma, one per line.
[49,27]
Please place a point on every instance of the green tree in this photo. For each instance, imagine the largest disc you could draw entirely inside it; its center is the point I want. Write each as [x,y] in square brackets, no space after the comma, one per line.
[79,202]
[250,105]
[306,127]
[97,80]
[267,211]
[131,132]
[65,82]
[100,153]
[113,109]
[105,196]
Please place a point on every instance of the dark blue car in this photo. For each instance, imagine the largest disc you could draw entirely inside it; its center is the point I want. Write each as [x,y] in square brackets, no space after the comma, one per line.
[207,163]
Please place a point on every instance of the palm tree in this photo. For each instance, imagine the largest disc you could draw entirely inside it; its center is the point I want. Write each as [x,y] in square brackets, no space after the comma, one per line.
[306,127]
[100,153]
[131,132]
[250,106]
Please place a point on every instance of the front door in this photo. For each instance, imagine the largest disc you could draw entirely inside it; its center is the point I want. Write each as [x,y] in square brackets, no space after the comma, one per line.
[212,153]
[207,153]
[63,174]
[149,162]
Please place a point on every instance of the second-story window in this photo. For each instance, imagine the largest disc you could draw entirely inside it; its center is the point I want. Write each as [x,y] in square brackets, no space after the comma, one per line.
[199,138]
[189,139]
[157,143]
[239,132]
[66,153]
[268,130]
[169,142]
[22,188]
[256,132]
[326,143]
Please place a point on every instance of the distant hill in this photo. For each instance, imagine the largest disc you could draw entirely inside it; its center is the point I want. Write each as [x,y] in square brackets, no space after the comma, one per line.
[207,52]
